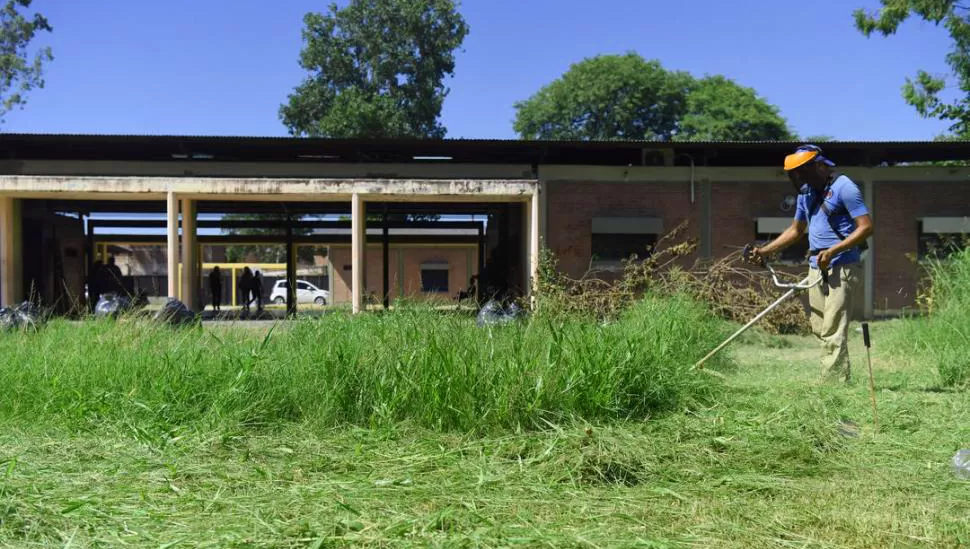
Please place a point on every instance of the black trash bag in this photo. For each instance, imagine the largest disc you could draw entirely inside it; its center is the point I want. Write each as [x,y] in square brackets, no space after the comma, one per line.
[514,312]
[23,316]
[490,313]
[175,312]
[112,305]
[494,313]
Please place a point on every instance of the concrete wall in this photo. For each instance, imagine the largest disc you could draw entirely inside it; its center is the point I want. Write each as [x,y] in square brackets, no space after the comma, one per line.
[54,260]
[404,273]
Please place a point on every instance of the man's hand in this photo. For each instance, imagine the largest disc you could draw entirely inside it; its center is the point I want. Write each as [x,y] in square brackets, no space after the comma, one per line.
[824,258]
[754,254]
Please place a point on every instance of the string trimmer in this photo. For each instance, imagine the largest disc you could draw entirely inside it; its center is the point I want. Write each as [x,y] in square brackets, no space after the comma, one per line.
[793,289]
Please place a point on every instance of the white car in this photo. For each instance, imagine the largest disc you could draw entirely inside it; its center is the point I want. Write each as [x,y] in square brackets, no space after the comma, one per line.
[305,293]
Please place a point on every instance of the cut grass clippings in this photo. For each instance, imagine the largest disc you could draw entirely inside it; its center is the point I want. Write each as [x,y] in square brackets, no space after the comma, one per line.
[212,444]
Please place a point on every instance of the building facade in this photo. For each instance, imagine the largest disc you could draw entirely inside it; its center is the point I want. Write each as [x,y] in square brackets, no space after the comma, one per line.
[591,204]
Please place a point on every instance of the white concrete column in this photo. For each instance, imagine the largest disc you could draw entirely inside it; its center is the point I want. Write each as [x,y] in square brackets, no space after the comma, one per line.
[543,213]
[190,267]
[535,234]
[11,258]
[358,245]
[172,206]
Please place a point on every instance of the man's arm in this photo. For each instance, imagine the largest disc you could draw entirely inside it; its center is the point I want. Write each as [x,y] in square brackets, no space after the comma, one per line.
[863,230]
[790,236]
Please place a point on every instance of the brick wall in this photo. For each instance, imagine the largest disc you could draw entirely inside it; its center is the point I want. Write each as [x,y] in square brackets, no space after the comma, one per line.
[734,209]
[573,205]
[898,207]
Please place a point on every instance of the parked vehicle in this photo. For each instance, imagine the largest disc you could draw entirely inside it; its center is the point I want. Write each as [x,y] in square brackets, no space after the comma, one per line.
[305,293]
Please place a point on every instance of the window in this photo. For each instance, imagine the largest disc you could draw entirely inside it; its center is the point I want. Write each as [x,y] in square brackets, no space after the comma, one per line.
[434,277]
[302,286]
[941,236]
[282,284]
[768,228]
[615,239]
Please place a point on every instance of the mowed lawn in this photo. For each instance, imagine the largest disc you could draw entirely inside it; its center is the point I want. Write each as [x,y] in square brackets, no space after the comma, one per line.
[773,460]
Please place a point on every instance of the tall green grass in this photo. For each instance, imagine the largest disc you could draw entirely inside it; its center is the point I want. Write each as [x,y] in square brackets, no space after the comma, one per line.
[430,369]
[942,337]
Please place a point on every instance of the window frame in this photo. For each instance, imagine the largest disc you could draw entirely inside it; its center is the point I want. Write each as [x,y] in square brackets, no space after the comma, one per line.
[436,267]
[768,228]
[950,229]
[650,228]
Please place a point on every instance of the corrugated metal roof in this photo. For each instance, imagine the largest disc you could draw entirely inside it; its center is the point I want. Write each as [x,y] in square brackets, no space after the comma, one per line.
[29,146]
[462,140]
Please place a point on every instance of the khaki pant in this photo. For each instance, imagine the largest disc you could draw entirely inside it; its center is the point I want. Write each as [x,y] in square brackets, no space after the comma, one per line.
[830,306]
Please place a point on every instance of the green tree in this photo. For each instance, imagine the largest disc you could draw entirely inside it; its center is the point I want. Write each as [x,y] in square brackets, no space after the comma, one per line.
[923,91]
[817,139]
[376,69]
[628,97]
[606,97]
[719,109]
[269,252]
[18,72]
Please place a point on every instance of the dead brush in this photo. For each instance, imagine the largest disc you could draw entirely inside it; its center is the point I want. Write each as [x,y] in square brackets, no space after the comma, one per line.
[731,289]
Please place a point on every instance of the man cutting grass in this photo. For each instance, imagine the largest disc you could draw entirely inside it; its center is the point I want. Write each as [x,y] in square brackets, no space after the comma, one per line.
[830,206]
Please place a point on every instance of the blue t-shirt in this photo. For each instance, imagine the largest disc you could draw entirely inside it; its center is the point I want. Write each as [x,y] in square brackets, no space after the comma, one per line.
[844,200]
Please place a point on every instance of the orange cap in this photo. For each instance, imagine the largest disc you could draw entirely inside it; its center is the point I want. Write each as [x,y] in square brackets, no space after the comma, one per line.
[799,158]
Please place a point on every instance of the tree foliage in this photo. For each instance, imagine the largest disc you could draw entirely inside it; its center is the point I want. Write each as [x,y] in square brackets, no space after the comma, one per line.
[605,97]
[629,97]
[718,109]
[19,73]
[923,91]
[267,252]
[818,139]
[376,69]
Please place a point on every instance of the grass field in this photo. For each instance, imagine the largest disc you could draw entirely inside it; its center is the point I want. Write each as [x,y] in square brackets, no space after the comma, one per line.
[118,435]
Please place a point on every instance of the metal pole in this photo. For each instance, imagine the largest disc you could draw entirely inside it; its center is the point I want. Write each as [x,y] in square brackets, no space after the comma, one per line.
[385,254]
[290,270]
[872,383]
[753,321]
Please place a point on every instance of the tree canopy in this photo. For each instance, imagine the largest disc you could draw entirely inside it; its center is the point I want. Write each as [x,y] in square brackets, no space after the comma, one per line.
[718,109]
[19,73]
[376,69]
[629,97]
[923,91]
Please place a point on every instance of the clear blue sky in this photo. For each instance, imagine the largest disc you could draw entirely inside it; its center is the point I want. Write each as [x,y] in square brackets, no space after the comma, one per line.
[222,67]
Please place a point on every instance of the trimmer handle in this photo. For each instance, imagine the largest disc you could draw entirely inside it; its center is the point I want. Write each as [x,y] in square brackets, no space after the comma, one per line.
[748,254]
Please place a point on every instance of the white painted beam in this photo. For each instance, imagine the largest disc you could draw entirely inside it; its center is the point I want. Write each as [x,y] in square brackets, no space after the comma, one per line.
[267,189]
[176,168]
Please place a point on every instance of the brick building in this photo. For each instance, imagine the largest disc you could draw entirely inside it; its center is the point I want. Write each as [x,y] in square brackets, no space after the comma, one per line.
[591,203]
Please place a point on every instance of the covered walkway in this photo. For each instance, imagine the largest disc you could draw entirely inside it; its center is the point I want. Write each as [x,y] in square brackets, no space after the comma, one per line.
[183,198]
